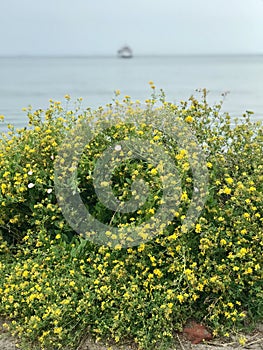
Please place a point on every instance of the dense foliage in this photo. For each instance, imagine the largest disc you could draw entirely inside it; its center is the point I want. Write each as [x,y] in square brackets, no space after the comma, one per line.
[56,286]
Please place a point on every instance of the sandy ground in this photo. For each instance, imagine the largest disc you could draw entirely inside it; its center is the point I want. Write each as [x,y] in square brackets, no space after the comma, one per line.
[254,342]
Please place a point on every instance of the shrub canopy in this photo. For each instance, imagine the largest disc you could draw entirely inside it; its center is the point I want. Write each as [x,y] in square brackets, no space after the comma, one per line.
[57,285]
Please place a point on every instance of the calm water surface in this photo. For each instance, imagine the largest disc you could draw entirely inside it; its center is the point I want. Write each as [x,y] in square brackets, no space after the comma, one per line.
[34,81]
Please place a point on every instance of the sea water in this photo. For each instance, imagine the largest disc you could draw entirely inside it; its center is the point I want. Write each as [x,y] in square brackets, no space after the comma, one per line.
[34,80]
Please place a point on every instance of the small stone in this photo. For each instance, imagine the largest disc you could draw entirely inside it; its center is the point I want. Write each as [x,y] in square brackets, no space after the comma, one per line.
[196,332]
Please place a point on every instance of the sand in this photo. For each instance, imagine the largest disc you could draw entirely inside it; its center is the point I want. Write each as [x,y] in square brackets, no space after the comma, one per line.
[254,342]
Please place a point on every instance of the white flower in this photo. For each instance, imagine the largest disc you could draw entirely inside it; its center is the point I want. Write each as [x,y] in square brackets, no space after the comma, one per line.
[30,185]
[49,190]
[117,147]
[52,157]
[30,172]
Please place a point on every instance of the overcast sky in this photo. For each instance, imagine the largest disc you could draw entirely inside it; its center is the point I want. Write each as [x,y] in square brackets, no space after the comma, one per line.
[91,27]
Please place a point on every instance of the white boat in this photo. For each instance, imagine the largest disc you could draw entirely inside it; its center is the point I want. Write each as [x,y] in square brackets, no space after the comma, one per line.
[125,52]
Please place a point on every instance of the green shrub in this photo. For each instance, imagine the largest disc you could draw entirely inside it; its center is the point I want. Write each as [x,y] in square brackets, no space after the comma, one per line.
[56,286]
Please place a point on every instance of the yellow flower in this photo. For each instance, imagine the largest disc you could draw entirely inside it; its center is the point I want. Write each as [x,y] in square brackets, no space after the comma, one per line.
[3,188]
[25,274]
[227,190]
[158,272]
[154,171]
[180,297]
[223,241]
[249,270]
[229,180]
[141,247]
[181,155]
[242,340]
[58,330]
[184,196]
[189,119]
[198,228]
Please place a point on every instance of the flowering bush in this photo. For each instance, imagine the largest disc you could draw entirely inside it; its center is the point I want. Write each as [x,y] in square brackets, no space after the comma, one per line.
[56,286]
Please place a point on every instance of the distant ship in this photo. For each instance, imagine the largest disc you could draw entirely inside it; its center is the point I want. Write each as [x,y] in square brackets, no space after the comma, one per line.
[125,52]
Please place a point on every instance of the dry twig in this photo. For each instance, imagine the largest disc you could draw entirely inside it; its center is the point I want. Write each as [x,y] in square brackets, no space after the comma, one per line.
[181,344]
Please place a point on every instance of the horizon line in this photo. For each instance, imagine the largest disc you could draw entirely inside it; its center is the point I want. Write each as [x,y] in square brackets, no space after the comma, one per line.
[135,56]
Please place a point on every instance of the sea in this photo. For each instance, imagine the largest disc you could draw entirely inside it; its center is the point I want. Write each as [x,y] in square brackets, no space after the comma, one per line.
[34,80]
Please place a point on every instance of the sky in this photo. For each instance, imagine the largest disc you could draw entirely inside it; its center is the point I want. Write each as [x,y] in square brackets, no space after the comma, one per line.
[159,27]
